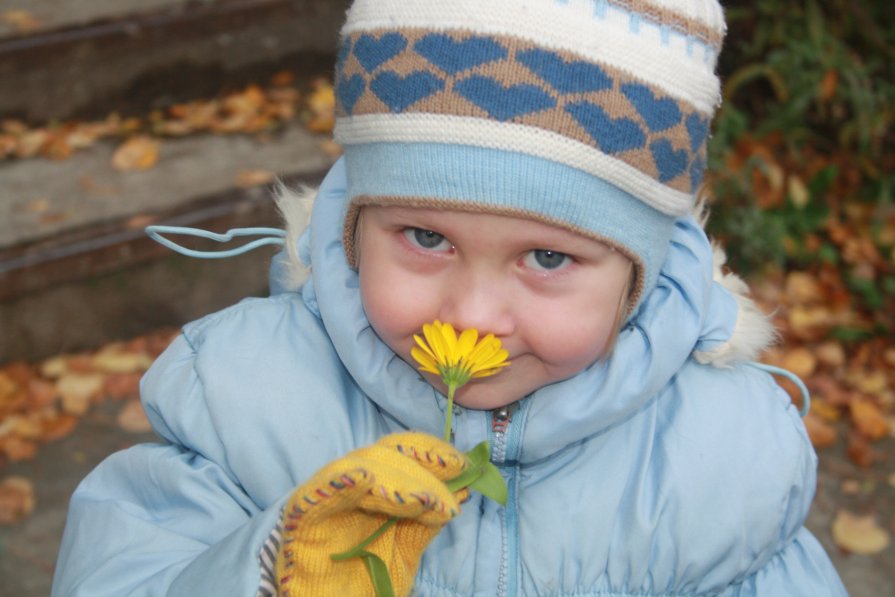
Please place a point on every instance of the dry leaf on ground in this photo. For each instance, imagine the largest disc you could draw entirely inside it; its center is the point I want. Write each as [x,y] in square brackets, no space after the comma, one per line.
[90,185]
[32,143]
[322,107]
[59,427]
[889,355]
[42,393]
[859,534]
[850,487]
[800,361]
[822,434]
[16,499]
[330,148]
[24,426]
[78,390]
[283,78]
[54,367]
[829,389]
[824,409]
[17,449]
[21,21]
[251,110]
[38,205]
[242,112]
[810,323]
[831,354]
[135,154]
[42,402]
[802,288]
[132,418]
[868,419]
[873,382]
[114,359]
[123,385]
[252,178]
[859,451]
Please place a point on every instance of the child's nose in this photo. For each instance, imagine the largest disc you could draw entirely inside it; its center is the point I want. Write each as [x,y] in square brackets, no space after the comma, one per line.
[479,304]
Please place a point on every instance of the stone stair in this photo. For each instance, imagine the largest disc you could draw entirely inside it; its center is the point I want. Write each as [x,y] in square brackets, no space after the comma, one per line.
[76,269]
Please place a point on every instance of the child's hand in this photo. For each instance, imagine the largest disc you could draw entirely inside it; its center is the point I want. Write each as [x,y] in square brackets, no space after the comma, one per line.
[401,476]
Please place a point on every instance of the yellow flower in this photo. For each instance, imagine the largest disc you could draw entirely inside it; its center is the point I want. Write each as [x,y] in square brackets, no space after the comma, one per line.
[457,359]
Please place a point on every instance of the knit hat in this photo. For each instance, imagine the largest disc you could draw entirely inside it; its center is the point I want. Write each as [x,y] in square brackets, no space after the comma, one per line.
[591,115]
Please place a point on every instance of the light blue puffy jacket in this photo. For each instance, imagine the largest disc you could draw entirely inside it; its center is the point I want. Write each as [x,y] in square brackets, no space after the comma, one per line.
[647,474]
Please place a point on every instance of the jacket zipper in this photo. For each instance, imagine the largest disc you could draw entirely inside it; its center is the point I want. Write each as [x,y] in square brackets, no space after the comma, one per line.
[503,433]
[500,421]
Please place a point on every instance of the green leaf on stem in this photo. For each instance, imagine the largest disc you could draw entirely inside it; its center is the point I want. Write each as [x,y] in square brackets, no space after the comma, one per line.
[481,475]
[491,484]
[378,572]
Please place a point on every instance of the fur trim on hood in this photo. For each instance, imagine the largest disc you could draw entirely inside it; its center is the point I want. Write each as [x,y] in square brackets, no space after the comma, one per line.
[752,334]
[294,206]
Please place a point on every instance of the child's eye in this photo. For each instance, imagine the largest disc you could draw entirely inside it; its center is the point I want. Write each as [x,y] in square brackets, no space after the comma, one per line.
[546,260]
[426,239]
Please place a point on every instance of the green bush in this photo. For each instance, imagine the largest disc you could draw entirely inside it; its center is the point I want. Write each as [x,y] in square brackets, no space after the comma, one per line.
[805,128]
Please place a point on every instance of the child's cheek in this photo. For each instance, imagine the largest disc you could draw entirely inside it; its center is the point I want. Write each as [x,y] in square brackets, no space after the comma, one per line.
[395,308]
[567,344]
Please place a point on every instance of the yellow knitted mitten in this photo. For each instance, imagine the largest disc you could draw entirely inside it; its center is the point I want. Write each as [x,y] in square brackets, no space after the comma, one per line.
[400,476]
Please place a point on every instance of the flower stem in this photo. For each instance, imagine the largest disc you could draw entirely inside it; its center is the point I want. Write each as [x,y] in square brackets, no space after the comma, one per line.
[450,413]
[357,549]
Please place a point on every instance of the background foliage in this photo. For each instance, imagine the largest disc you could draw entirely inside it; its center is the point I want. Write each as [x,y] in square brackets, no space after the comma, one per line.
[803,156]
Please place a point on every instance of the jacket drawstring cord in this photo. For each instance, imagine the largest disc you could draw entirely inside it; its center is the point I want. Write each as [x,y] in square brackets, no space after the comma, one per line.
[806,396]
[269,236]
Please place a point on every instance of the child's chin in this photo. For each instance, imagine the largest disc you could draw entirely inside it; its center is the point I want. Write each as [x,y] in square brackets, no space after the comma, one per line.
[484,397]
[486,393]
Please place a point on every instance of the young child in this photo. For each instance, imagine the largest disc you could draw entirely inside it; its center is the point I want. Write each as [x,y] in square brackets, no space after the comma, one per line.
[525,168]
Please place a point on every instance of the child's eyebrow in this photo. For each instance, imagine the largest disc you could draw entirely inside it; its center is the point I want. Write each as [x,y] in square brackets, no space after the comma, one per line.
[410,213]
[563,240]
[549,238]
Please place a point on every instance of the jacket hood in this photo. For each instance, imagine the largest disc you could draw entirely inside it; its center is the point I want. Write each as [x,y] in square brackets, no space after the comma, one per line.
[694,311]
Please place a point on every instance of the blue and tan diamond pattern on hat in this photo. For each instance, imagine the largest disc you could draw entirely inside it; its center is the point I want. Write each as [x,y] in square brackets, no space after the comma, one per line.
[506,79]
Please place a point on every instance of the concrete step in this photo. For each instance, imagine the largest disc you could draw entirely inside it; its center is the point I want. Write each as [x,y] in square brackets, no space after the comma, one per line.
[85,59]
[76,269]
[80,272]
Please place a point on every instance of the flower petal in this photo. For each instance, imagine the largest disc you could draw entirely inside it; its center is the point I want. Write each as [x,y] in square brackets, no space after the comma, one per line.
[467,342]
[492,360]
[426,361]
[488,355]
[450,343]
[436,342]
[485,346]
[486,373]
[422,344]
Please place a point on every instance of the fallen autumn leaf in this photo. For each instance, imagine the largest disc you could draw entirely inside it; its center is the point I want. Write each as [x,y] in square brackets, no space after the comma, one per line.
[859,534]
[136,154]
[252,178]
[132,418]
[16,499]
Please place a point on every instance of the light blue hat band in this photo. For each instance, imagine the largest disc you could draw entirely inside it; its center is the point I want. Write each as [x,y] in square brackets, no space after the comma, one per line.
[508,181]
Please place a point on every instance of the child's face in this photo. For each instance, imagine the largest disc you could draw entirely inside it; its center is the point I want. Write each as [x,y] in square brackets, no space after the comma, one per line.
[551,296]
